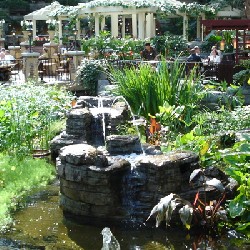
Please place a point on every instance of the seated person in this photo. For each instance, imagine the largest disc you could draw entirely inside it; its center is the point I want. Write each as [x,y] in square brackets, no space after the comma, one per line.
[197,50]
[2,54]
[214,57]
[194,57]
[149,53]
[8,57]
[218,52]
[192,60]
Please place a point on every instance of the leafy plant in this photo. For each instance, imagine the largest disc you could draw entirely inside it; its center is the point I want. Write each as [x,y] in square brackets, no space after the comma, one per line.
[237,162]
[212,40]
[88,73]
[52,23]
[146,89]
[228,36]
[201,213]
[26,114]
[170,45]
[105,46]
[243,76]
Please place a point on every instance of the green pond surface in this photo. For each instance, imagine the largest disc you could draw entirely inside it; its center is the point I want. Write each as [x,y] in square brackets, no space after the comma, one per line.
[40,224]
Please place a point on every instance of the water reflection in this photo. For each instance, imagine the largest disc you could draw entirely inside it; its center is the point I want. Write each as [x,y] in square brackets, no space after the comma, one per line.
[42,225]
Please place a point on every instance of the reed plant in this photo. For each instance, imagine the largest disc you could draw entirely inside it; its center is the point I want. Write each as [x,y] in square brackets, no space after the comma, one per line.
[147,88]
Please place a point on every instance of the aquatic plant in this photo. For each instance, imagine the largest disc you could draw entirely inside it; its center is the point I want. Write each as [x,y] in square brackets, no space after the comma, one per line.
[202,213]
[146,88]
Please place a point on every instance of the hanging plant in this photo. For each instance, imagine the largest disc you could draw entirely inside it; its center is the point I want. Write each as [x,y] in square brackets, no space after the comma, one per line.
[51,24]
[26,25]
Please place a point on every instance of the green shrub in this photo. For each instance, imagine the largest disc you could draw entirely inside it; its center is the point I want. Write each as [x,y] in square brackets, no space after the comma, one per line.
[88,74]
[27,112]
[147,89]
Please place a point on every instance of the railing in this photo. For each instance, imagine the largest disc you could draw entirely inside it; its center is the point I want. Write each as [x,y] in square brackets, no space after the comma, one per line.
[47,68]
[51,69]
[58,69]
[223,71]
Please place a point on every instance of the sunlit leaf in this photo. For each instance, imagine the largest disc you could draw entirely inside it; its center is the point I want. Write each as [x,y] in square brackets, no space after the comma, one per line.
[186,214]
[205,148]
[235,208]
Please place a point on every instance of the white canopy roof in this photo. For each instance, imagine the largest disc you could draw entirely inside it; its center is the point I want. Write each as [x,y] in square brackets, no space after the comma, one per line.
[133,3]
[43,13]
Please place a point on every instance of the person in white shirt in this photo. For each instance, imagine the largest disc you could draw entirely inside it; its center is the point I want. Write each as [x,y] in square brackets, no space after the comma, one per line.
[214,57]
[2,54]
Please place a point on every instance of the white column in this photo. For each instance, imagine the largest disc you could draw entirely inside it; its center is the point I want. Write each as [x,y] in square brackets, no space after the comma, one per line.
[114,25]
[141,25]
[78,27]
[34,30]
[154,25]
[97,27]
[60,30]
[198,27]
[123,26]
[134,25]
[150,25]
[103,23]
[202,27]
[185,27]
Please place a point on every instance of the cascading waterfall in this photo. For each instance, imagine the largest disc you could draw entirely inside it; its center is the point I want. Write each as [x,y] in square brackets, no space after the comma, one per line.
[100,106]
[133,181]
[135,122]
[116,183]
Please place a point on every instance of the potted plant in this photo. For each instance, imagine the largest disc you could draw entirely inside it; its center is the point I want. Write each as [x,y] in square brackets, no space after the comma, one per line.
[51,28]
[26,26]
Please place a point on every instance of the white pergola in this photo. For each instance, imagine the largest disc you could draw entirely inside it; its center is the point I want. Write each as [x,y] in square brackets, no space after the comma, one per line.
[42,15]
[141,12]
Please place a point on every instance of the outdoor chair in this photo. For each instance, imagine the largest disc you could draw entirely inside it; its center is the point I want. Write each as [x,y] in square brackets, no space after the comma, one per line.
[16,69]
[63,70]
[190,67]
[41,70]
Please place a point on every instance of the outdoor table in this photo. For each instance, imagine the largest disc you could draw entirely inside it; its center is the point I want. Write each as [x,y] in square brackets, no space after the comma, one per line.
[5,70]
[210,69]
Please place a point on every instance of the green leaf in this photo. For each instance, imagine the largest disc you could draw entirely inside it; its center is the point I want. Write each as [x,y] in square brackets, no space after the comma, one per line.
[186,214]
[243,226]
[236,208]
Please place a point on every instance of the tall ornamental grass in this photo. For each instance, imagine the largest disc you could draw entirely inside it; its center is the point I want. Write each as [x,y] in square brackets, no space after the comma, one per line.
[27,114]
[17,178]
[146,88]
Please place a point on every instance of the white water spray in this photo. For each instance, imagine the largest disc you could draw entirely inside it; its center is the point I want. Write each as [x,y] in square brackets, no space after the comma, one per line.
[135,122]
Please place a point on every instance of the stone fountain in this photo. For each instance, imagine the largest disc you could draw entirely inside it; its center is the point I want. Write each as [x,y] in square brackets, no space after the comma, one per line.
[118,182]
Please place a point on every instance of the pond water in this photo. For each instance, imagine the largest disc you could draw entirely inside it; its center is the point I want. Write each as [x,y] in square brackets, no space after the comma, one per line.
[40,224]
